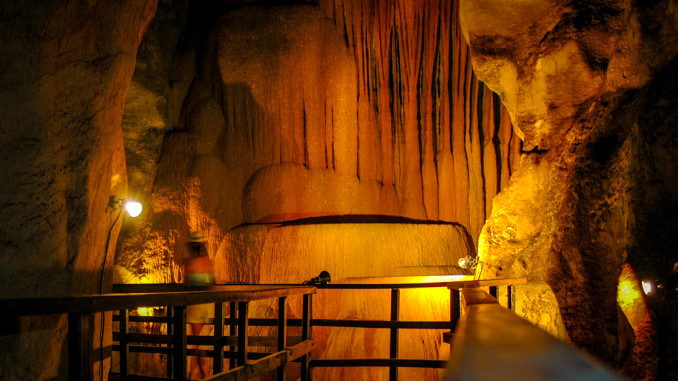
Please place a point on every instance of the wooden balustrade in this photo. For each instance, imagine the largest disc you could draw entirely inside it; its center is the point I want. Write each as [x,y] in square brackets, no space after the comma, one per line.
[493,343]
[490,341]
[78,308]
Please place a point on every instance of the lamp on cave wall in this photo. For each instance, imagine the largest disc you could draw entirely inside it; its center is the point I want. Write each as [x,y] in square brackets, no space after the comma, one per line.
[470,263]
[648,287]
[132,207]
[323,278]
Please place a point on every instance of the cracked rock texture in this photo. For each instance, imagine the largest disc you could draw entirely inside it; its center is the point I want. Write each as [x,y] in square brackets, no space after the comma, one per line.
[65,67]
[587,85]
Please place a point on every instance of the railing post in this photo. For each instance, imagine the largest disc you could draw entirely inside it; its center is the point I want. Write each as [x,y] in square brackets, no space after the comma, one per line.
[282,333]
[306,333]
[124,343]
[232,330]
[78,359]
[511,295]
[395,309]
[179,352]
[218,358]
[493,291]
[169,312]
[242,332]
[455,309]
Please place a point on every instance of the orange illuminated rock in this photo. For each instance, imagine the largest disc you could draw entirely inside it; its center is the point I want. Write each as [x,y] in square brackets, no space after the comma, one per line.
[587,86]
[353,249]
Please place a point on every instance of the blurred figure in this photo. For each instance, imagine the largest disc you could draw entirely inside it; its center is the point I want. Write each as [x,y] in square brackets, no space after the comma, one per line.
[198,271]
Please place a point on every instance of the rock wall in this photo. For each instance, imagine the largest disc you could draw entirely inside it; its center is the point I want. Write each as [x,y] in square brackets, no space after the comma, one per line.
[587,86]
[65,67]
[280,123]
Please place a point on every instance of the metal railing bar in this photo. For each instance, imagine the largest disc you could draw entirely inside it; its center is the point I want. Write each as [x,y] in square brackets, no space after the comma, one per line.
[85,304]
[400,363]
[395,312]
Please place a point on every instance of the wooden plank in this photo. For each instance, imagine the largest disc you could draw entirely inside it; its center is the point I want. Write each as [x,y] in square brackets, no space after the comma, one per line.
[381,363]
[179,343]
[253,369]
[493,343]
[113,302]
[455,308]
[242,333]
[356,323]
[76,348]
[477,296]
[486,283]
[282,333]
[395,311]
[300,349]
[232,331]
[124,344]
[306,334]
[217,343]
[145,349]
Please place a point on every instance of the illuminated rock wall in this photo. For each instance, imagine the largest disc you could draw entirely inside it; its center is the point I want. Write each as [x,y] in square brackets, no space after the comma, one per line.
[301,111]
[347,248]
[65,67]
[588,86]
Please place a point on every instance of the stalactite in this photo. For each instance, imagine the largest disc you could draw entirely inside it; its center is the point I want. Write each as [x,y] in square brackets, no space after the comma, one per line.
[443,144]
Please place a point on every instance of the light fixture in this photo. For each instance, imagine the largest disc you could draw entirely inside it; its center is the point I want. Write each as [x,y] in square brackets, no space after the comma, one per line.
[323,278]
[132,207]
[648,287]
[468,263]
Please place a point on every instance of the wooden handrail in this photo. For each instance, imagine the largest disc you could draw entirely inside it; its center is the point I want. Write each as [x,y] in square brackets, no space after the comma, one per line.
[79,331]
[493,343]
[82,304]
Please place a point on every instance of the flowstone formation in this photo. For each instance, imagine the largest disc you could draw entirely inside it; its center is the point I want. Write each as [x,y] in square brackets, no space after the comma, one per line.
[376,112]
[355,249]
[587,85]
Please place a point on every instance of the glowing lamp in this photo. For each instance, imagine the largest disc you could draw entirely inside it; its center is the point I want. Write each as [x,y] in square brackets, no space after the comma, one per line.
[133,208]
[648,287]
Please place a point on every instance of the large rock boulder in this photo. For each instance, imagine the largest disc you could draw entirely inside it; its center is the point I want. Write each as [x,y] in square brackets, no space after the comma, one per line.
[587,86]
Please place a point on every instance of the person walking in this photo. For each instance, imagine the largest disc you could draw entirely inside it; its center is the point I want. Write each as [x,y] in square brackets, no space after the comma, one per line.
[198,271]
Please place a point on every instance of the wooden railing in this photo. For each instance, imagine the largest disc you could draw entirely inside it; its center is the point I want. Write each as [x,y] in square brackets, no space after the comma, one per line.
[395,285]
[493,343]
[394,324]
[489,341]
[80,308]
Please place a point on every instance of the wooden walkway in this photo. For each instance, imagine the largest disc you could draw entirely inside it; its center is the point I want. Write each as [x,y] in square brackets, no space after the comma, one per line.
[489,342]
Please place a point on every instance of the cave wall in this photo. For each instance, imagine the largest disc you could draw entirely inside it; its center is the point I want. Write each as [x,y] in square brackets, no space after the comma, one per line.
[587,86]
[278,123]
[65,67]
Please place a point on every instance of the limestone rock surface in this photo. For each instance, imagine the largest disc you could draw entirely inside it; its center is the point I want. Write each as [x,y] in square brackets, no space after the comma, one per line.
[352,252]
[281,123]
[586,85]
[65,67]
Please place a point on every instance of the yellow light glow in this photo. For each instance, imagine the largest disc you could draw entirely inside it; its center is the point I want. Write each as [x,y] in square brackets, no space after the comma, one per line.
[436,278]
[145,311]
[627,292]
[133,208]
[407,279]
